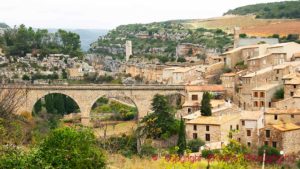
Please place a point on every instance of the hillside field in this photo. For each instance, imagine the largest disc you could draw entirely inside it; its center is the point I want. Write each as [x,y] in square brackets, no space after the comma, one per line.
[248,24]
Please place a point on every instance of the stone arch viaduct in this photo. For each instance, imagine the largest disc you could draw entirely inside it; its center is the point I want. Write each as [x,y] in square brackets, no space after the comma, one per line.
[86,95]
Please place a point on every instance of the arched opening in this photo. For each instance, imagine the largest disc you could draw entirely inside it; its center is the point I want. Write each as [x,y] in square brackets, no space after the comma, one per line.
[114,115]
[55,109]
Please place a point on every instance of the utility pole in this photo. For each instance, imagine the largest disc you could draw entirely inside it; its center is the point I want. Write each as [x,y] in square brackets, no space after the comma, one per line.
[264,159]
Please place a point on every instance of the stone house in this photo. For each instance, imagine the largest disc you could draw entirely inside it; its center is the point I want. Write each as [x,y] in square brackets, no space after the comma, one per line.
[249,125]
[262,96]
[75,73]
[266,60]
[149,72]
[167,75]
[231,58]
[279,116]
[184,75]
[194,96]
[290,48]
[284,137]
[291,85]
[229,81]
[212,129]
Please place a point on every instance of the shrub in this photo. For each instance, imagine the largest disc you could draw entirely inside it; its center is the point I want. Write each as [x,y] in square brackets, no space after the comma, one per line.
[12,157]
[208,153]
[195,144]
[68,148]
[271,151]
[148,150]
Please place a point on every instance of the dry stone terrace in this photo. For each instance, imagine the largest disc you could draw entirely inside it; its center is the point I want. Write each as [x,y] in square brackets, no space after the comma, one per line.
[86,95]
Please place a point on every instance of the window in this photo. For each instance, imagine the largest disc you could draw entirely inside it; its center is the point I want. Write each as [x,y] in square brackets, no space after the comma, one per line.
[292,116]
[249,144]
[270,104]
[277,71]
[262,104]
[262,94]
[195,135]
[248,133]
[207,128]
[195,127]
[275,117]
[255,94]
[268,133]
[189,110]
[239,139]
[255,104]
[274,144]
[243,122]
[230,127]
[292,93]
[207,137]
[237,127]
[194,97]
[266,143]
[295,86]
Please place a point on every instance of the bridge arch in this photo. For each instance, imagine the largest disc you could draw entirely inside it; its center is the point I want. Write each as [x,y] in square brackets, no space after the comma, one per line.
[43,96]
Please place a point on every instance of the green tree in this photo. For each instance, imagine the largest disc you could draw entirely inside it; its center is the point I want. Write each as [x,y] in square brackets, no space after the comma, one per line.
[49,103]
[205,105]
[279,94]
[160,123]
[68,148]
[181,142]
[59,104]
[38,106]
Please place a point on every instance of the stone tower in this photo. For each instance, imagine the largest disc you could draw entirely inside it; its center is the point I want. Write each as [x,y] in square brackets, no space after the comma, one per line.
[236,33]
[128,48]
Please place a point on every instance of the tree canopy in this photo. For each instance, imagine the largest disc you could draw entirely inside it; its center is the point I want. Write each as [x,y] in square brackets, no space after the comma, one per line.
[21,40]
[205,104]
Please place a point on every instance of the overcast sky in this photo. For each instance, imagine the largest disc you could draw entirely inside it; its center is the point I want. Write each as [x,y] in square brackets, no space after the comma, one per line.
[107,14]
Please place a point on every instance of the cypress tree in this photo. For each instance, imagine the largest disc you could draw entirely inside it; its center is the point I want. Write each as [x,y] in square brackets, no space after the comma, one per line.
[49,103]
[205,105]
[38,106]
[181,143]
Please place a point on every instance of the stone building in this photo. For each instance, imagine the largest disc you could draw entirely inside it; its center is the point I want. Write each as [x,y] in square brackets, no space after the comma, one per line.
[194,96]
[284,137]
[212,129]
[262,96]
[250,124]
[280,116]
[75,73]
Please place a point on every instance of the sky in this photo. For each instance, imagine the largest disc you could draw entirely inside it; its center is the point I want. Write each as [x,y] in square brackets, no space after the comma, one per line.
[107,14]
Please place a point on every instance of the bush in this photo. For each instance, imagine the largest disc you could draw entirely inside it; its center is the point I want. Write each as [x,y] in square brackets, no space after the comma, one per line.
[12,157]
[181,59]
[195,144]
[270,151]
[208,153]
[148,150]
[68,148]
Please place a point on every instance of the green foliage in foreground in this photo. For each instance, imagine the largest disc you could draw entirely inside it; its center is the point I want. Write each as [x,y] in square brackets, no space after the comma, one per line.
[63,148]
[195,144]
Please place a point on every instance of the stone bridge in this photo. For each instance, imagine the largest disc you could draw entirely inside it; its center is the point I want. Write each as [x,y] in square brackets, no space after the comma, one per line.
[86,95]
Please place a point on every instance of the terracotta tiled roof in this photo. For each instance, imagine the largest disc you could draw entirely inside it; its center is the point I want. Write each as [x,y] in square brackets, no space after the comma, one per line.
[212,88]
[286,127]
[282,111]
[213,120]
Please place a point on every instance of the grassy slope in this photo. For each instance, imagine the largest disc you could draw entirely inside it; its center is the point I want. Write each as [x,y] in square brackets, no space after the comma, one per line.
[249,25]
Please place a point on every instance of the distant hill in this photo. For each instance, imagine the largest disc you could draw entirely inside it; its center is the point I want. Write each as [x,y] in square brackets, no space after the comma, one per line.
[274,10]
[87,36]
[3,25]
